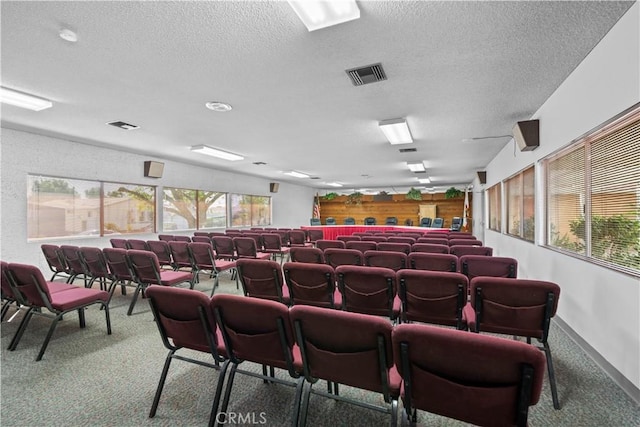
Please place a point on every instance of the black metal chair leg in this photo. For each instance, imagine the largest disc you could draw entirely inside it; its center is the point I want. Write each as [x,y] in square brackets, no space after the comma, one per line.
[49,334]
[133,301]
[163,377]
[552,377]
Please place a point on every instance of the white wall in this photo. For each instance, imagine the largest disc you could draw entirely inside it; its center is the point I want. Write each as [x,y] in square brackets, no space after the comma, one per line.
[23,153]
[601,305]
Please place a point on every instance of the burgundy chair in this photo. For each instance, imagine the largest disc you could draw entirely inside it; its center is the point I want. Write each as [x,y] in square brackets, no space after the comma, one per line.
[410,234]
[435,297]
[400,239]
[163,252]
[460,250]
[478,379]
[430,248]
[6,294]
[325,244]
[335,257]
[515,307]
[348,238]
[200,234]
[461,235]
[246,248]
[433,240]
[256,236]
[147,271]
[55,260]
[33,291]
[395,247]
[272,244]
[205,260]
[120,269]
[185,321]
[312,284]
[464,242]
[369,290]
[95,267]
[357,352]
[179,238]
[72,259]
[284,236]
[298,238]
[165,237]
[387,259]
[479,265]
[223,245]
[259,331]
[180,255]
[119,243]
[136,244]
[202,238]
[315,235]
[373,238]
[433,262]
[361,245]
[307,254]
[262,279]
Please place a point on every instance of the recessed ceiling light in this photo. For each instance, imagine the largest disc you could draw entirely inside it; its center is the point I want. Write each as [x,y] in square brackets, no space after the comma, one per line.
[297,174]
[23,100]
[219,107]
[416,167]
[214,152]
[396,130]
[68,35]
[317,14]
[424,180]
[333,184]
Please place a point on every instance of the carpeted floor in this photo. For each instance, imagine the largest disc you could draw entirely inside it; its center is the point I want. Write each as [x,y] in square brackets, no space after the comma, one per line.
[88,378]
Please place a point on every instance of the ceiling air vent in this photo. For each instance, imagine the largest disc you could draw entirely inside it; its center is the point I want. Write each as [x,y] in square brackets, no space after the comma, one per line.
[123,125]
[314,177]
[369,74]
[408,150]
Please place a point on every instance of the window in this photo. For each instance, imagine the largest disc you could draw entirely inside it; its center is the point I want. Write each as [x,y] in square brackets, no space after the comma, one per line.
[181,212]
[212,209]
[521,204]
[64,207]
[247,210]
[593,195]
[495,207]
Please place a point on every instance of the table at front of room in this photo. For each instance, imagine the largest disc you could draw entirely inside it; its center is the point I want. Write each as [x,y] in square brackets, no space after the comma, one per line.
[330,232]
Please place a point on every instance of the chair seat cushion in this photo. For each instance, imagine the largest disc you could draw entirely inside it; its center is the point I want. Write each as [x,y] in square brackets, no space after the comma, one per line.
[223,264]
[72,298]
[59,286]
[168,278]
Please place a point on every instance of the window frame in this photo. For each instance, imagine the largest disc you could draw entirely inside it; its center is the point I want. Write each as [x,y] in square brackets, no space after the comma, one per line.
[521,193]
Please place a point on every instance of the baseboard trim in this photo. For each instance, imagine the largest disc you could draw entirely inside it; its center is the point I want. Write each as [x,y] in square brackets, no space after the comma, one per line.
[627,386]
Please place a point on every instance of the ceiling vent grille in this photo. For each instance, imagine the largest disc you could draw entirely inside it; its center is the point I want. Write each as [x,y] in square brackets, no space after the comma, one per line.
[364,75]
[408,150]
[123,125]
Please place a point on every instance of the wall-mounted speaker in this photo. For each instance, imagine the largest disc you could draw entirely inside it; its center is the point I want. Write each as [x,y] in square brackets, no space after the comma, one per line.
[153,169]
[482,177]
[273,187]
[527,135]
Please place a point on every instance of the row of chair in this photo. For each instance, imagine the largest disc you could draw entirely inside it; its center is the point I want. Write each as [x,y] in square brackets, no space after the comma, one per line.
[25,286]
[475,378]
[411,239]
[370,245]
[391,220]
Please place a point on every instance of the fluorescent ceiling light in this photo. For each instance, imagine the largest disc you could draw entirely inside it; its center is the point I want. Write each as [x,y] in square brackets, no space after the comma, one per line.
[396,130]
[416,167]
[216,153]
[424,180]
[320,14]
[297,174]
[334,184]
[23,100]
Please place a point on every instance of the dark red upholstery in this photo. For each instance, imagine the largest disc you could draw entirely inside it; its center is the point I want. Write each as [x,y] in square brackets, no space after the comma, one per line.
[464,242]
[482,380]
[32,290]
[460,250]
[433,240]
[272,244]
[361,245]
[223,245]
[307,254]
[517,307]
[325,244]
[184,320]
[430,248]
[374,238]
[96,266]
[55,260]
[298,238]
[401,239]
[387,259]
[71,256]
[162,251]
[336,257]
[312,284]
[140,245]
[369,290]
[479,265]
[433,297]
[349,238]
[262,279]
[395,247]
[357,352]
[246,248]
[6,294]
[433,261]
[180,255]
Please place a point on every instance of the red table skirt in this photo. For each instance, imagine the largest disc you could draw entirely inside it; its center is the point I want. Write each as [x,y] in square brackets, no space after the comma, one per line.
[332,231]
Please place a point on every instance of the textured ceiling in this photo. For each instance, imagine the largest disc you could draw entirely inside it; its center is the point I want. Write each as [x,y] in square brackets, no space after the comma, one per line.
[456,70]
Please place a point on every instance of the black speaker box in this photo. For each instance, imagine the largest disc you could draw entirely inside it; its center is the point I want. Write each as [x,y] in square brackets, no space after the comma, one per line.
[153,169]
[273,187]
[482,176]
[527,135]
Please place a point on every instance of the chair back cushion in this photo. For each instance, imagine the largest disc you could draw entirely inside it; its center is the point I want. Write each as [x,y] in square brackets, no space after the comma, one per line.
[311,284]
[433,261]
[260,278]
